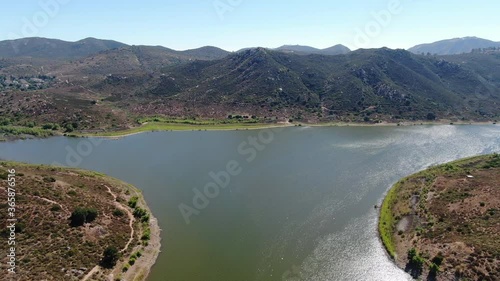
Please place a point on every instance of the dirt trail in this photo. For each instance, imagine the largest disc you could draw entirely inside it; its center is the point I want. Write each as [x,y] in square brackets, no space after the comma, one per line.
[131,225]
[130,216]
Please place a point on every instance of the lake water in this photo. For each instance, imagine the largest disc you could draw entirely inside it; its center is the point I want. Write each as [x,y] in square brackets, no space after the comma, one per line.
[299,204]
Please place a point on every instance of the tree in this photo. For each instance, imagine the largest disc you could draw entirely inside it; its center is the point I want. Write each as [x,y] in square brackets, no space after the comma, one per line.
[69,128]
[110,257]
[132,203]
[431,116]
[81,215]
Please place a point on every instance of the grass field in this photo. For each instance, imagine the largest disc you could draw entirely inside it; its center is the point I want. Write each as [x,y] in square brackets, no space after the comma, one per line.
[168,126]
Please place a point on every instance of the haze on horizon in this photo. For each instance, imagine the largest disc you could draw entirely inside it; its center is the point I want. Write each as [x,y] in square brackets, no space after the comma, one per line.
[236,24]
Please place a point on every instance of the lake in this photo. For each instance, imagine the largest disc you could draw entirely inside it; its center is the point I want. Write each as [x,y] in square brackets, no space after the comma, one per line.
[277,204]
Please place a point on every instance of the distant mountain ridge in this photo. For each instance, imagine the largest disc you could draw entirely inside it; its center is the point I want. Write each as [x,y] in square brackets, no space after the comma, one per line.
[44,48]
[299,49]
[454,46]
[37,47]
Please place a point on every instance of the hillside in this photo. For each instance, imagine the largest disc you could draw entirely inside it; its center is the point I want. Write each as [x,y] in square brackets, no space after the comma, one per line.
[380,84]
[68,218]
[114,88]
[454,46]
[443,223]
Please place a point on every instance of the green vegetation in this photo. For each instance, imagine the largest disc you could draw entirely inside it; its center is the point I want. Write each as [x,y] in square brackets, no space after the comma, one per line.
[110,257]
[82,215]
[20,131]
[118,213]
[167,126]
[387,221]
[132,203]
[141,214]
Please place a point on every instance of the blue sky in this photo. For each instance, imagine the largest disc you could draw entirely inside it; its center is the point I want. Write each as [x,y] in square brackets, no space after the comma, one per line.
[234,24]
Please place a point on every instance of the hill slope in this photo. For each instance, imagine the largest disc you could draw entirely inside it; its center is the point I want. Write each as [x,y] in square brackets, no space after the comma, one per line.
[365,82]
[454,46]
[443,222]
[66,218]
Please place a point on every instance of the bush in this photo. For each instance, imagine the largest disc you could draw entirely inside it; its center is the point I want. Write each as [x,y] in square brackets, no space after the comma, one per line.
[81,216]
[49,179]
[132,203]
[438,259]
[146,235]
[110,257]
[434,268]
[139,212]
[415,259]
[69,128]
[55,208]
[411,253]
[118,213]
[145,218]
[125,267]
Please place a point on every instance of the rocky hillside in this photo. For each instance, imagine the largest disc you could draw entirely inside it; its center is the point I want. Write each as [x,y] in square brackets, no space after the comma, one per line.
[113,88]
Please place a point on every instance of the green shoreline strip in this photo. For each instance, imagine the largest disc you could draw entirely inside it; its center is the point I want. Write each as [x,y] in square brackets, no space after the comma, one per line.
[386,222]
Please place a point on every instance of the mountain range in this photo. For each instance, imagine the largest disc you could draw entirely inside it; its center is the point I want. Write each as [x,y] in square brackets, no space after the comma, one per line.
[454,46]
[306,50]
[36,47]
[107,84]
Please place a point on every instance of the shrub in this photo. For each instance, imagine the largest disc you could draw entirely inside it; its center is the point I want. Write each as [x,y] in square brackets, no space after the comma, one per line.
[146,235]
[431,116]
[69,128]
[118,213]
[49,179]
[132,203]
[55,208]
[81,216]
[145,218]
[434,268]
[110,257]
[438,259]
[125,267]
[139,212]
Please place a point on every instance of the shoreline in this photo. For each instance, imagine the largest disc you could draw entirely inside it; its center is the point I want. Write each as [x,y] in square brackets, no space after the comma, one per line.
[177,127]
[260,126]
